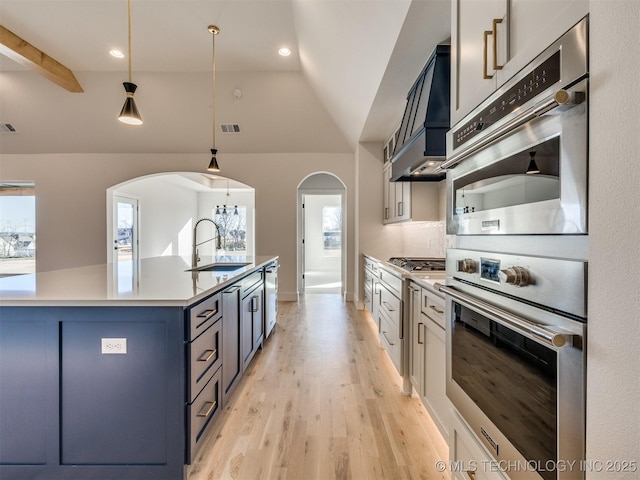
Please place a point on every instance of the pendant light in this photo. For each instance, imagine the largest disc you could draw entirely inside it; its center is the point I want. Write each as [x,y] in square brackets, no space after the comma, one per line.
[130,113]
[226,208]
[533,166]
[213,164]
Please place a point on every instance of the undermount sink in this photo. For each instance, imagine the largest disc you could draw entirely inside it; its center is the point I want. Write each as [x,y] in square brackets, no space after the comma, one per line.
[219,266]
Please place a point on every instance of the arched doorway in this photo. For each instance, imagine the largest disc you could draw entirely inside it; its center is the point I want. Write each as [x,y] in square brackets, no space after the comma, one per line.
[167,205]
[321,234]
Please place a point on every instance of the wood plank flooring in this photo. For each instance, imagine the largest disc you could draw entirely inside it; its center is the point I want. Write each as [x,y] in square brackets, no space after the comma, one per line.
[321,401]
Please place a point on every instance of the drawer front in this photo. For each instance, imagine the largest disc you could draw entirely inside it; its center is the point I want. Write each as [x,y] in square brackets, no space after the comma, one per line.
[203,315]
[465,451]
[206,356]
[391,281]
[371,265]
[433,307]
[390,341]
[251,281]
[392,306]
[202,411]
[368,279]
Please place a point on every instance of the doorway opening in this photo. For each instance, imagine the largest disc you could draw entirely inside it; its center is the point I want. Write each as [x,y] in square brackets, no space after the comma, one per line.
[125,228]
[321,234]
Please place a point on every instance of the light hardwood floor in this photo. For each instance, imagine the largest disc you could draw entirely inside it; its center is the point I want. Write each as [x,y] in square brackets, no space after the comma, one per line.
[321,401]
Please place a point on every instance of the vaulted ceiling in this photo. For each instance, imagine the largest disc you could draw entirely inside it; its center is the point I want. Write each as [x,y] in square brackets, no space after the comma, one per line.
[346,80]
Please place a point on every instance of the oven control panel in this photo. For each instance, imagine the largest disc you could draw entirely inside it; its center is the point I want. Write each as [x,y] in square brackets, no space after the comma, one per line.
[540,280]
[533,83]
[518,276]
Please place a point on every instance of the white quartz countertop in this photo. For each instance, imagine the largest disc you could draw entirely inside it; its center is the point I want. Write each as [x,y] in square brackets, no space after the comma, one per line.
[424,278]
[157,281]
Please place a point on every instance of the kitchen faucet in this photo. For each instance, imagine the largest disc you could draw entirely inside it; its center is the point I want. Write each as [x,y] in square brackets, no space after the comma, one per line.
[194,257]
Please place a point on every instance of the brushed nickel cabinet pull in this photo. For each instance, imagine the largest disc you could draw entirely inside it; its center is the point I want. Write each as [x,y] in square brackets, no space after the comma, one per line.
[471,474]
[207,408]
[207,355]
[420,325]
[433,307]
[254,303]
[207,314]
[389,306]
[387,338]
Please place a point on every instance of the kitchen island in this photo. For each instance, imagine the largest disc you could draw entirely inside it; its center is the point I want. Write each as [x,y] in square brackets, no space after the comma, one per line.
[117,370]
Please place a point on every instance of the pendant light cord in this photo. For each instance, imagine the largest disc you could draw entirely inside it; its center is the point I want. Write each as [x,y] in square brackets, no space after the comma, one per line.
[213,89]
[129,17]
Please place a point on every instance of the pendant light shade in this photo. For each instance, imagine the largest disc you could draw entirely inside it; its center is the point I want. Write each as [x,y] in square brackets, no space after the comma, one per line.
[533,166]
[213,164]
[130,113]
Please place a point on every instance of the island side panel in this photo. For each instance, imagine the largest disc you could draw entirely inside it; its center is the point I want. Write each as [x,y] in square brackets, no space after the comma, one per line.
[23,395]
[115,415]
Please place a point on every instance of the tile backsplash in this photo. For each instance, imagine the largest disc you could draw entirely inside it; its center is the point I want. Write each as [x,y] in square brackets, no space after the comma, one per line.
[424,239]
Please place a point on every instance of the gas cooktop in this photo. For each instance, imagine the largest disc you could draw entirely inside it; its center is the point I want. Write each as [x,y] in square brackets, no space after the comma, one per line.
[417,264]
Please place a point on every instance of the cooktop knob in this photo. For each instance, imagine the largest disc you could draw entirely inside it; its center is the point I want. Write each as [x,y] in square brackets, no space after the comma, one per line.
[518,276]
[467,265]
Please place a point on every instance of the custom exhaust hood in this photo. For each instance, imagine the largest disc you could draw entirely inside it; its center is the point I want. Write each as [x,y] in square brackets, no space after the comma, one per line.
[420,145]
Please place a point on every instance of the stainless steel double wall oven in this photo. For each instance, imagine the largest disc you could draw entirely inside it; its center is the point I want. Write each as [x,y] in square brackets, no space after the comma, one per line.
[517,312]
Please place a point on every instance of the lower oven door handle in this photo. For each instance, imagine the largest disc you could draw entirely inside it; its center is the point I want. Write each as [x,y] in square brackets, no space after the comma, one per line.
[555,339]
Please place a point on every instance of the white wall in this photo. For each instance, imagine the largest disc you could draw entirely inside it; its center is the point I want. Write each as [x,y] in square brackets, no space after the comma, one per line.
[613,379]
[71,199]
[166,217]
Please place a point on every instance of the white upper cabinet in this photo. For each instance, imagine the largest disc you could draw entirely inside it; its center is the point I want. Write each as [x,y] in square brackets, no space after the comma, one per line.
[491,40]
[536,24]
[479,50]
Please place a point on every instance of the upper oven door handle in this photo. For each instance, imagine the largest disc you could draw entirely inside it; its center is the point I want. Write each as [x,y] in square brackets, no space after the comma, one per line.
[561,97]
[554,339]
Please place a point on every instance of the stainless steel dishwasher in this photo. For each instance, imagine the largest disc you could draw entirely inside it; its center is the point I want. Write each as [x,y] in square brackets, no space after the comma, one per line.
[270,297]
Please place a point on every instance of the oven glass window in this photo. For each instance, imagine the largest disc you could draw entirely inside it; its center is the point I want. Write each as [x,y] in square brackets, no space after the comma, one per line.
[512,379]
[506,182]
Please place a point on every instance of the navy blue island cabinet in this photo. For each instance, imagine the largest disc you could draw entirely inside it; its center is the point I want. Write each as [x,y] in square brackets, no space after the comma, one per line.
[93,392]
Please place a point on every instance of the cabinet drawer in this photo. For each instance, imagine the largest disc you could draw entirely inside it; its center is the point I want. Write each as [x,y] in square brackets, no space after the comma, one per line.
[370,265]
[465,451]
[391,281]
[390,341]
[433,307]
[392,306]
[203,315]
[202,411]
[205,356]
[250,282]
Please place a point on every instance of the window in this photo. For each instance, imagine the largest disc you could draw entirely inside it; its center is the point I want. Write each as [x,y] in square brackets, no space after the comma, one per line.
[232,222]
[332,230]
[17,228]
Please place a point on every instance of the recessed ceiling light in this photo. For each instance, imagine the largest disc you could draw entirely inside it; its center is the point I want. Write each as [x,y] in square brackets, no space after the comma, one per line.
[116,53]
[284,51]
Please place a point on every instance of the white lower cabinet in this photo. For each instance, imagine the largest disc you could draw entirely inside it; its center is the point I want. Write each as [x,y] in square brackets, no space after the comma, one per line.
[467,458]
[427,356]
[435,395]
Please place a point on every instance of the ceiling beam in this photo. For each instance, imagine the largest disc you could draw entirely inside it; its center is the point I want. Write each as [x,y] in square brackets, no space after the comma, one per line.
[22,52]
